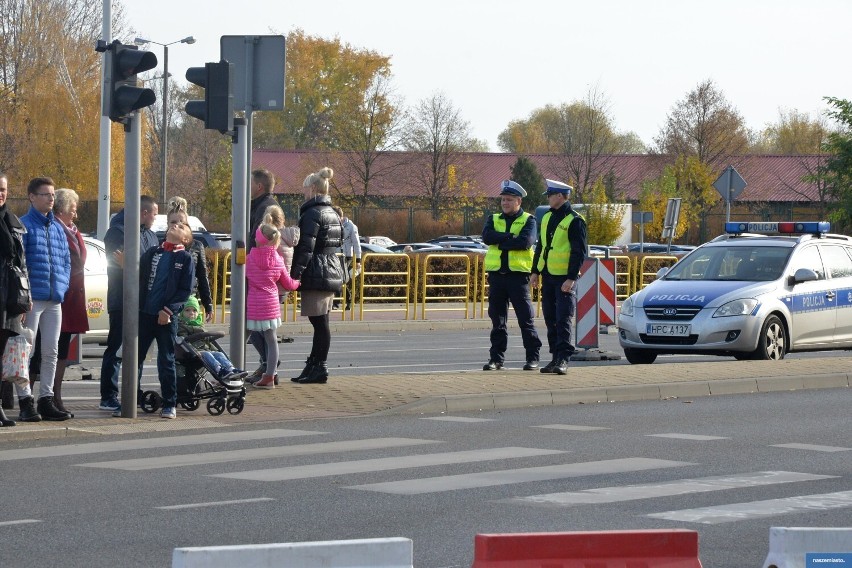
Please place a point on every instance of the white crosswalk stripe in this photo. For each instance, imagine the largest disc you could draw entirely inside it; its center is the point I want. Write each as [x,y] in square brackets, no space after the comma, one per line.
[759,509]
[812,447]
[667,489]
[151,443]
[511,476]
[386,464]
[159,462]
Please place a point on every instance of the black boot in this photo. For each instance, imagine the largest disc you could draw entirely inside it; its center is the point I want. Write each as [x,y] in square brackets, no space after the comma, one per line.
[549,367]
[28,413]
[7,394]
[5,421]
[318,374]
[49,411]
[309,363]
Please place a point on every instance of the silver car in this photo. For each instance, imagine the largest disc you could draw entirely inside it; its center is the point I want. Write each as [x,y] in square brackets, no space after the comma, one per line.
[747,295]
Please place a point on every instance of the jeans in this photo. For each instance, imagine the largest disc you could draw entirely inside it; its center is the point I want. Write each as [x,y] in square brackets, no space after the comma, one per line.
[217,362]
[111,364]
[165,335]
[47,317]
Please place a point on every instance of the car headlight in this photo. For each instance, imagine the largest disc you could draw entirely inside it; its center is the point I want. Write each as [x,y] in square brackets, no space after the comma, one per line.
[736,308]
[627,307]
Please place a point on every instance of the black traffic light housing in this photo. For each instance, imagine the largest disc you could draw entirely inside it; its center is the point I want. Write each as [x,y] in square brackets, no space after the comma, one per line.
[217,108]
[122,95]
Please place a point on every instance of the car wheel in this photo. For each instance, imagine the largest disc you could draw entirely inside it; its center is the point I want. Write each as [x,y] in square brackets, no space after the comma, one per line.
[640,356]
[772,343]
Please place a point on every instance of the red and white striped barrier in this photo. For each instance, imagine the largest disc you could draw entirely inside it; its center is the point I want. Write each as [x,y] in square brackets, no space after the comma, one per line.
[588,314]
[606,285]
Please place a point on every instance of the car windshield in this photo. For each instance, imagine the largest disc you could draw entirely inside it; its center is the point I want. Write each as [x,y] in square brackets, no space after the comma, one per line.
[744,263]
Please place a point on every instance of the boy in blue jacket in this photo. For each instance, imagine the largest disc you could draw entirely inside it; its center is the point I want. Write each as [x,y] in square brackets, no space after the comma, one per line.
[166,277]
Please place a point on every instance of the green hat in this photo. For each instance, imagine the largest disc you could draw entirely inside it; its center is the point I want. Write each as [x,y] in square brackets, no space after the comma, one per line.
[192,302]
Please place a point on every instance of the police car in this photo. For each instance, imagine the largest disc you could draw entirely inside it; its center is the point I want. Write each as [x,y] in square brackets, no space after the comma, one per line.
[747,294]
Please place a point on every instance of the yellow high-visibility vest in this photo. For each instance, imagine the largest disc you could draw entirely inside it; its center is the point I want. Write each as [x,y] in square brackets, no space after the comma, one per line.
[555,255]
[519,260]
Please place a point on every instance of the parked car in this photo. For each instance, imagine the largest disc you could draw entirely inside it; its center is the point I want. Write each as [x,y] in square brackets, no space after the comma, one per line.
[376,249]
[400,247]
[601,250]
[160,224]
[658,248]
[459,241]
[95,280]
[750,296]
[381,241]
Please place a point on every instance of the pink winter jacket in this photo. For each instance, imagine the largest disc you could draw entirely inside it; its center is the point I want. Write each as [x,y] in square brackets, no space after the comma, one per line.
[264,268]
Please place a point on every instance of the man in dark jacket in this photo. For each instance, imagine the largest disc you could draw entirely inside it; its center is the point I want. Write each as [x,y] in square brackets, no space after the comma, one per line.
[262,184]
[114,243]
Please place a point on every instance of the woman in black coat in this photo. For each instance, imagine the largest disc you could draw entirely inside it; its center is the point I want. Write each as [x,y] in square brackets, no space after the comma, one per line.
[11,252]
[316,264]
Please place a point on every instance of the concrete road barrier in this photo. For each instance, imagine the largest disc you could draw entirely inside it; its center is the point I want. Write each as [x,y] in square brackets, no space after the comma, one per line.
[393,552]
[788,546]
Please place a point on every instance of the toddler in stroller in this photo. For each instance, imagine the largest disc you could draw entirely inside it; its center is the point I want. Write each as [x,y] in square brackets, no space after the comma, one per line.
[197,353]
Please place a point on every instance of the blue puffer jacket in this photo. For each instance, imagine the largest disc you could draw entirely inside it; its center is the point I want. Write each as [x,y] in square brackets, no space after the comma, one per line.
[48,259]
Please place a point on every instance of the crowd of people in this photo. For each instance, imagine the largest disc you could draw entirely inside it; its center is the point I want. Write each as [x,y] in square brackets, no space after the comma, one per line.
[44,254]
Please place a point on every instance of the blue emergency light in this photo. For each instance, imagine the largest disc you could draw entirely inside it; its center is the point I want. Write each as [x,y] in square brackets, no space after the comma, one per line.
[786,227]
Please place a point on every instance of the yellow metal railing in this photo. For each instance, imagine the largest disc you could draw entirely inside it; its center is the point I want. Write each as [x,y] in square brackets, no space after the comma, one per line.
[623,277]
[437,281]
[659,261]
[378,280]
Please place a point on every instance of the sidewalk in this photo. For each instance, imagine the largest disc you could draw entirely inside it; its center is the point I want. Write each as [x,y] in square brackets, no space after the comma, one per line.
[432,393]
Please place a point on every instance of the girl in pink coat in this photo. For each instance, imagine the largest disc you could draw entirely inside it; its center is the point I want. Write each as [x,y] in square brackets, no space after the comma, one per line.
[264,270]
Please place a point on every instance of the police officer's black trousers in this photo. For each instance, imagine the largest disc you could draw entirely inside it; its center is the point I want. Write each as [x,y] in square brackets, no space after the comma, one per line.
[512,287]
[558,309]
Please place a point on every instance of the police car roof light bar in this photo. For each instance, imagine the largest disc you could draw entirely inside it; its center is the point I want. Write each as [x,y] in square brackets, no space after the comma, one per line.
[787,227]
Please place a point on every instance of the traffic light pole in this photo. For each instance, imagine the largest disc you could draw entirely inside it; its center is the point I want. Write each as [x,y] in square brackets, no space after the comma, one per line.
[132,222]
[238,242]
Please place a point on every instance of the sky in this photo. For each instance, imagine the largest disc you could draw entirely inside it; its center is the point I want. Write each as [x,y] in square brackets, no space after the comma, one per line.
[497,61]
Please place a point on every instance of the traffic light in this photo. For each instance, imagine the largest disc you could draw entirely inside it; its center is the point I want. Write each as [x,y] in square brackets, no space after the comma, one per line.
[122,95]
[217,108]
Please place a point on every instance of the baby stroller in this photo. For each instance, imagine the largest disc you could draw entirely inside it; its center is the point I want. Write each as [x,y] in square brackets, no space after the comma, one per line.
[197,382]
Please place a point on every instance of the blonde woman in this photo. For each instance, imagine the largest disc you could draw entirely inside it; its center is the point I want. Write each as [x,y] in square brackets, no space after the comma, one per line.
[316,265]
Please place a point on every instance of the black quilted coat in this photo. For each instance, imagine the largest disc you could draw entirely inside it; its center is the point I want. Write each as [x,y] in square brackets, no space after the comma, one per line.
[315,260]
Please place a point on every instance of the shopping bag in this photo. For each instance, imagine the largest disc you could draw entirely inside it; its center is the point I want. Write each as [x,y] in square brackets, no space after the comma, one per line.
[16,358]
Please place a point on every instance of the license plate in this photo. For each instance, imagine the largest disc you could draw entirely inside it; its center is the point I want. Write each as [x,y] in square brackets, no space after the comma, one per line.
[668,329]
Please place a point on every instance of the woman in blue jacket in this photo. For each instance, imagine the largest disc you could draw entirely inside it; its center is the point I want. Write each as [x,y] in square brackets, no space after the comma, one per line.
[49,268]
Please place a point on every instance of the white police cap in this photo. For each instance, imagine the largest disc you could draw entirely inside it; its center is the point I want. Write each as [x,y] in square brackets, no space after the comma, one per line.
[509,187]
[554,186]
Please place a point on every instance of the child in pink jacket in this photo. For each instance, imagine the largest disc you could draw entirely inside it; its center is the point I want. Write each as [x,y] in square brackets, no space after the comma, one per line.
[264,269]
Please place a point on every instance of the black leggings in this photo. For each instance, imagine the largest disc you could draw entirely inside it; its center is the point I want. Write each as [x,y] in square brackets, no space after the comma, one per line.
[322,337]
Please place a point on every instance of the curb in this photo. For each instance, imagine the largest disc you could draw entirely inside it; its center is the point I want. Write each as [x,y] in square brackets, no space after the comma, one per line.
[623,393]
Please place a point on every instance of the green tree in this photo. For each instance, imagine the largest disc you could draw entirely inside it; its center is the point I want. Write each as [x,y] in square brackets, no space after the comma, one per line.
[602,217]
[793,133]
[525,172]
[694,185]
[654,197]
[838,168]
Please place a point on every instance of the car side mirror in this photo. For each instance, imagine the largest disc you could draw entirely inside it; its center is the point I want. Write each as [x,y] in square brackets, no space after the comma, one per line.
[803,275]
[662,272]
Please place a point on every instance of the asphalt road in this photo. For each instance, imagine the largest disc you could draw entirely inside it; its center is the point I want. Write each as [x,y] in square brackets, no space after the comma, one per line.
[729,467]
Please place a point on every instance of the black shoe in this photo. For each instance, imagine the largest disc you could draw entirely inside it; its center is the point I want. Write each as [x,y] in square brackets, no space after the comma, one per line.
[28,413]
[4,421]
[531,365]
[309,362]
[49,411]
[548,368]
[561,367]
[492,365]
[318,374]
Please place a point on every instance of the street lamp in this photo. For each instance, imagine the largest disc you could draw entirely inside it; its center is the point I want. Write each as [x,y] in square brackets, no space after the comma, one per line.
[164,137]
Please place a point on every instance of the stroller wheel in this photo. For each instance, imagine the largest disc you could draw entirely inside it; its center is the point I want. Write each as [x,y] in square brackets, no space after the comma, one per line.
[194,402]
[236,405]
[151,402]
[216,406]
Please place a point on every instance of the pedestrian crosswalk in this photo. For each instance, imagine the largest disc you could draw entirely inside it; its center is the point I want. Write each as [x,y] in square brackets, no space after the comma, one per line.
[411,466]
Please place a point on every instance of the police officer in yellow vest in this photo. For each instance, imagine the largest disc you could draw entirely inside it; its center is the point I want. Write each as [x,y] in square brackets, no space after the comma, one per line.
[510,236]
[559,254]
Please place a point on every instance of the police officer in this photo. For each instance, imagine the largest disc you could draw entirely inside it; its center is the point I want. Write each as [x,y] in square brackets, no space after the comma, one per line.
[510,236]
[559,255]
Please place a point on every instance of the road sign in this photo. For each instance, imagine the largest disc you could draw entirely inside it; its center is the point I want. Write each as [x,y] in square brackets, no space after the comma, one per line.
[642,217]
[672,217]
[258,70]
[730,184]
